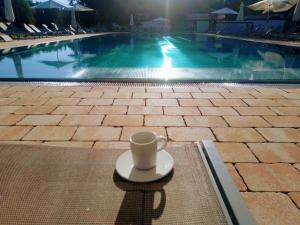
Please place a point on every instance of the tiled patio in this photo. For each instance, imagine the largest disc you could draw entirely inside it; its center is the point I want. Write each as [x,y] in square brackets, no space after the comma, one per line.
[256,130]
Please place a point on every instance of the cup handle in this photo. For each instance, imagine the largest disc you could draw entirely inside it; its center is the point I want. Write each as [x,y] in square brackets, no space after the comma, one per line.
[161,143]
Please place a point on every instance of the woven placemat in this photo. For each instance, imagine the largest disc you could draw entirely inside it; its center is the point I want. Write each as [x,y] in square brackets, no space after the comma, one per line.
[49,185]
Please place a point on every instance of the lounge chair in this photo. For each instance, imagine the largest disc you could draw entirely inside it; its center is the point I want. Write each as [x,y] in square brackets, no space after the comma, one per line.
[3,27]
[5,37]
[37,30]
[47,28]
[62,31]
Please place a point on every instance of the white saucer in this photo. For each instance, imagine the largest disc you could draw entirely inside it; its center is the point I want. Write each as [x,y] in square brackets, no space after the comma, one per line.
[126,169]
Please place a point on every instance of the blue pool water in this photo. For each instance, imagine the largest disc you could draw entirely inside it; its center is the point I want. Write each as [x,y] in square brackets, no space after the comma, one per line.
[176,57]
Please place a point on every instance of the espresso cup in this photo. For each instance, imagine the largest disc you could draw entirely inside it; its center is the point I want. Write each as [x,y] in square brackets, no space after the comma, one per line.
[144,148]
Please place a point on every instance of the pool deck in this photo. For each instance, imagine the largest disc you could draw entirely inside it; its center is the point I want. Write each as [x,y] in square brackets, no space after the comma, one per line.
[36,41]
[257,129]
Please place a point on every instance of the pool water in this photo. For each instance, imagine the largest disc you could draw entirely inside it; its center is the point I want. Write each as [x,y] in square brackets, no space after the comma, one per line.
[135,57]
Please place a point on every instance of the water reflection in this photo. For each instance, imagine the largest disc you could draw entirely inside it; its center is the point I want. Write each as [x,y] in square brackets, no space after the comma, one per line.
[199,56]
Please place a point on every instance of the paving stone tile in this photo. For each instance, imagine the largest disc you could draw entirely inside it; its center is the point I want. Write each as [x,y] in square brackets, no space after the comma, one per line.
[295,196]
[82,120]
[214,89]
[97,134]
[283,121]
[291,90]
[287,111]
[236,177]
[63,94]
[70,144]
[128,131]
[269,177]
[268,96]
[288,102]
[218,111]
[280,134]
[23,88]
[49,88]
[105,89]
[254,111]
[157,89]
[111,110]
[123,120]
[7,101]
[271,208]
[50,133]
[228,102]
[194,102]
[117,95]
[235,152]
[87,94]
[4,87]
[22,142]
[129,102]
[206,95]
[186,89]
[261,102]
[175,144]
[132,89]
[246,121]
[94,101]
[72,110]
[269,90]
[161,102]
[189,134]
[292,95]
[41,120]
[112,145]
[237,135]
[63,101]
[8,119]
[205,121]
[145,110]
[77,89]
[236,95]
[164,121]
[21,94]
[241,90]
[177,111]
[12,133]
[176,95]
[276,152]
[30,101]
[27,110]
[146,95]
[9,109]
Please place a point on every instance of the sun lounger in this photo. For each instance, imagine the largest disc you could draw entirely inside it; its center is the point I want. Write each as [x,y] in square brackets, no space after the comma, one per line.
[3,27]
[47,28]
[62,31]
[5,37]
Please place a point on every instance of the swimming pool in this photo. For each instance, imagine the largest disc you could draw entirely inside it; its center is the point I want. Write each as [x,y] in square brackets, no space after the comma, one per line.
[167,58]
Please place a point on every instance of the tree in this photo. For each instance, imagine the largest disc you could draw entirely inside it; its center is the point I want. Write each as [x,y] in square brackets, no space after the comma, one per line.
[23,12]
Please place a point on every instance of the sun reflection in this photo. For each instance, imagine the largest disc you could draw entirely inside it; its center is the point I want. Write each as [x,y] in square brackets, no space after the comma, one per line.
[166,46]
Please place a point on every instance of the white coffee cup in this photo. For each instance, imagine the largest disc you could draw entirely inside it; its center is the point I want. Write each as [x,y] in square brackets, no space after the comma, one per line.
[144,147]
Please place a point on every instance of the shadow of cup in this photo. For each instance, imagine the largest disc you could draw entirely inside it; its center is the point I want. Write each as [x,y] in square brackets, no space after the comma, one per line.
[138,204]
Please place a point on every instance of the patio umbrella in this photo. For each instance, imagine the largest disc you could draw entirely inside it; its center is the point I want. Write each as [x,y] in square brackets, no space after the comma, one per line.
[273,5]
[240,16]
[296,16]
[131,20]
[56,63]
[77,8]
[18,65]
[8,11]
[224,11]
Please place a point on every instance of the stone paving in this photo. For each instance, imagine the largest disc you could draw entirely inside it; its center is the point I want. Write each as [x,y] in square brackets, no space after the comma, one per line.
[257,130]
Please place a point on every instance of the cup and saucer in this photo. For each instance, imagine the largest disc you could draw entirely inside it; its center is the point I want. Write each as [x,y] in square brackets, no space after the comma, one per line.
[147,160]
